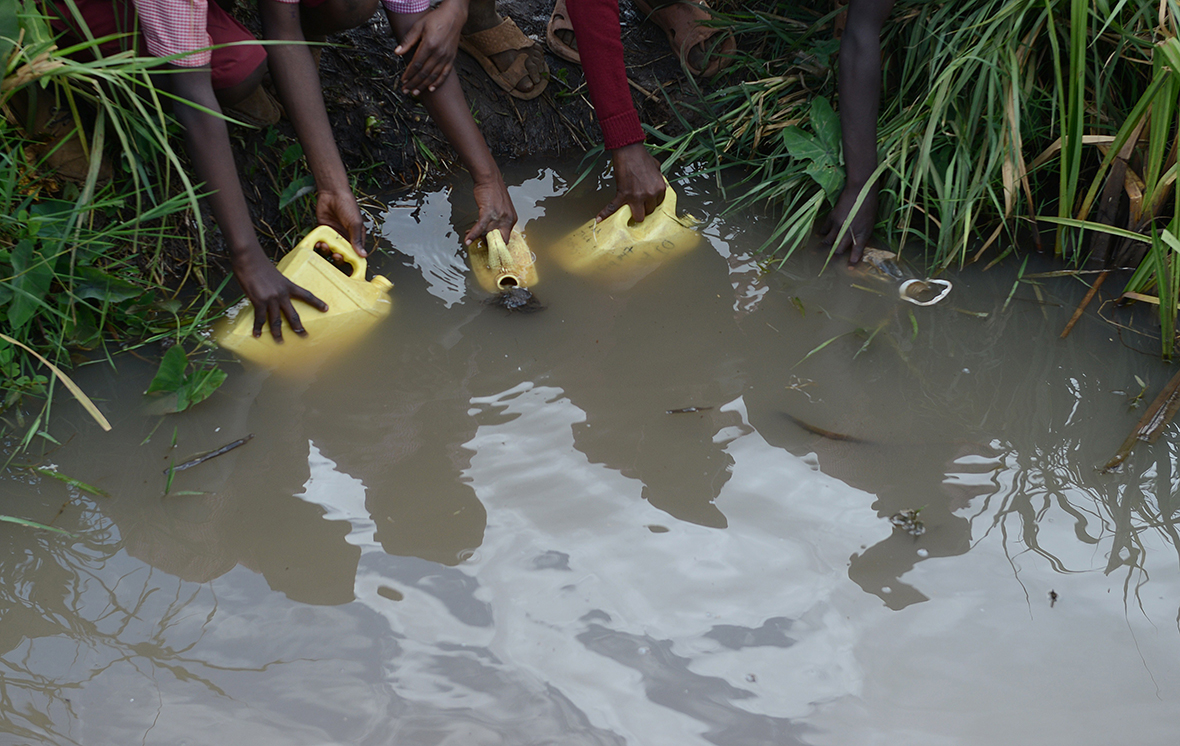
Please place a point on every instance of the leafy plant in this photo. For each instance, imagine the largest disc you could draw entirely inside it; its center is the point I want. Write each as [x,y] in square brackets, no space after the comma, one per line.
[190,384]
[996,115]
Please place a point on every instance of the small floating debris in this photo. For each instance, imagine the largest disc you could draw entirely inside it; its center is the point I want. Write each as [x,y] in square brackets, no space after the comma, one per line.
[516,300]
[687,410]
[1052,599]
[924,292]
[198,460]
[908,521]
[816,430]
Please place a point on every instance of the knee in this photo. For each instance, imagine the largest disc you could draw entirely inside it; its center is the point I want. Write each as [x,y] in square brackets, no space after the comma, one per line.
[334,16]
[240,90]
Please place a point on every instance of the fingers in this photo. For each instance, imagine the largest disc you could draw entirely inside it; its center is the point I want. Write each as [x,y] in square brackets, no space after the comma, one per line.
[856,253]
[356,237]
[259,319]
[428,68]
[611,208]
[639,210]
[410,39]
[292,317]
[306,296]
[479,230]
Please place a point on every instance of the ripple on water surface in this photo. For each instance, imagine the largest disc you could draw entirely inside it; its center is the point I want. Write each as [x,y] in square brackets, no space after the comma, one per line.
[650,515]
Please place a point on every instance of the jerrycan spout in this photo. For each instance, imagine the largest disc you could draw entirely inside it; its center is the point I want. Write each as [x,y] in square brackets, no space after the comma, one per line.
[501,267]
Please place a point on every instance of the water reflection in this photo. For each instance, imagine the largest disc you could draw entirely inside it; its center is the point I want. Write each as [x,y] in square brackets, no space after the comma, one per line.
[483,528]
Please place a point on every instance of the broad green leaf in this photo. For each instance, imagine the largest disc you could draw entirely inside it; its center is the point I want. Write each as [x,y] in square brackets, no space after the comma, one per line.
[802,146]
[199,386]
[170,376]
[296,189]
[292,154]
[829,176]
[30,283]
[91,283]
[826,124]
[9,30]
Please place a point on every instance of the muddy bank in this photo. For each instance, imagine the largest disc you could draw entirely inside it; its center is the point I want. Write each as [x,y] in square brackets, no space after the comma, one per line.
[388,141]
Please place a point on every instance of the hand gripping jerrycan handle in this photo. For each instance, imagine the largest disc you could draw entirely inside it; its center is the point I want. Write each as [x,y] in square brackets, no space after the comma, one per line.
[354,307]
[622,251]
[337,244]
[624,219]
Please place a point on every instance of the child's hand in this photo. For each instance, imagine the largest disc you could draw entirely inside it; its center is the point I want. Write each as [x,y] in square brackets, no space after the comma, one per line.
[859,231]
[436,36]
[638,182]
[495,211]
[270,293]
[338,211]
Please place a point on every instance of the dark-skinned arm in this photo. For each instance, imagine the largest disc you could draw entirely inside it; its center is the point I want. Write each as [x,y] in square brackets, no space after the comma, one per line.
[448,109]
[208,145]
[860,97]
[638,181]
[298,82]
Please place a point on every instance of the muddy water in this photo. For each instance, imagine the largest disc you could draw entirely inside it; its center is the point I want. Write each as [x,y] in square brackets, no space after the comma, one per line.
[483,528]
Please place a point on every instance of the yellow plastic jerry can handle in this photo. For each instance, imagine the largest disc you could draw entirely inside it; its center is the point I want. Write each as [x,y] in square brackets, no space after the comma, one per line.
[624,218]
[338,244]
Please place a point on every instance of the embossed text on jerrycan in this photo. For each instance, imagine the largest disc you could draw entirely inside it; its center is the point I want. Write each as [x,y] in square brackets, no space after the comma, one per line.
[354,307]
[622,251]
[499,266]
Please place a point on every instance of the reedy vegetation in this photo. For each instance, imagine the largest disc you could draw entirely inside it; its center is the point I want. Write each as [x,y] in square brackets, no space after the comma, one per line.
[996,116]
[83,266]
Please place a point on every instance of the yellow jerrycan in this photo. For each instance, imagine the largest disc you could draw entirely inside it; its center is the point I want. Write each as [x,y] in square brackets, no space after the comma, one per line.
[354,307]
[622,251]
[499,267]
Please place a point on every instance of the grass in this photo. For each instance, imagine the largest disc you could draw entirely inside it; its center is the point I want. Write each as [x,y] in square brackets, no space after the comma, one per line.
[999,118]
[86,268]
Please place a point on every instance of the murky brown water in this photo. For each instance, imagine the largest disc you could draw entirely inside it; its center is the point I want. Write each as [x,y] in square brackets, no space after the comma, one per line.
[486,529]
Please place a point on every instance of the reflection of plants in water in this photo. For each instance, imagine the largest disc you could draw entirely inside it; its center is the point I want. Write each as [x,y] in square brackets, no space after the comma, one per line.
[1118,514]
[56,592]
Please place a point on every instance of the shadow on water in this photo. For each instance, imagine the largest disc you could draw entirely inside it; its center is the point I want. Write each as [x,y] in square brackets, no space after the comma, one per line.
[622,519]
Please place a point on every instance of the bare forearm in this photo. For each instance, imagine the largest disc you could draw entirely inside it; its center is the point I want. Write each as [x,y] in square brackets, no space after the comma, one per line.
[295,76]
[860,86]
[448,108]
[208,145]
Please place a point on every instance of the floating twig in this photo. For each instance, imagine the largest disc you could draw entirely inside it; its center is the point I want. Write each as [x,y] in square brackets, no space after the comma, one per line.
[830,435]
[198,460]
[1153,422]
[1077,314]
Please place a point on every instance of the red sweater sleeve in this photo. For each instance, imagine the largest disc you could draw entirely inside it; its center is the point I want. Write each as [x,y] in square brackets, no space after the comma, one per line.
[600,44]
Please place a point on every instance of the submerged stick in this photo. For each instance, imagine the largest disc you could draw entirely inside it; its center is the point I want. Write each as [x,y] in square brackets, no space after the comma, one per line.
[1077,314]
[198,460]
[1153,422]
[815,430]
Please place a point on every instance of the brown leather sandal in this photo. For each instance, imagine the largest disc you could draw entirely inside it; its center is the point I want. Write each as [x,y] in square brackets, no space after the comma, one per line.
[482,44]
[560,21]
[681,21]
